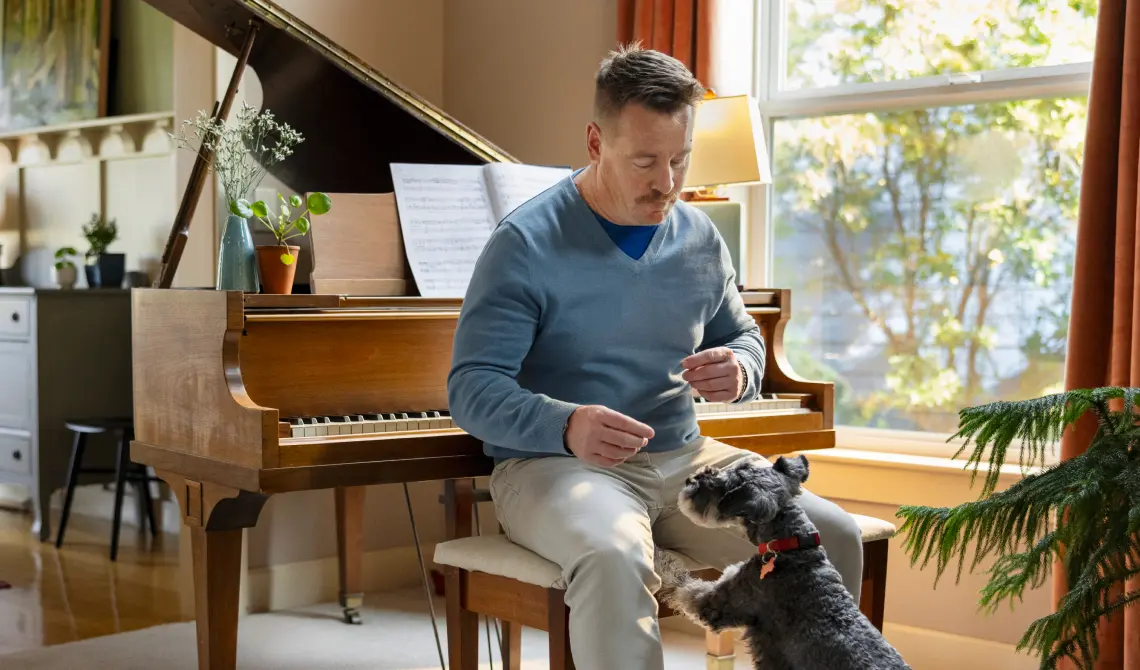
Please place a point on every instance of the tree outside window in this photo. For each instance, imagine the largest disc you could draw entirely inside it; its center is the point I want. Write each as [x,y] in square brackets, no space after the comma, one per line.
[927,159]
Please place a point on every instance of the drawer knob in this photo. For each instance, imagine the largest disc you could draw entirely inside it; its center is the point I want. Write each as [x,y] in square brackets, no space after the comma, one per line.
[16,317]
[16,455]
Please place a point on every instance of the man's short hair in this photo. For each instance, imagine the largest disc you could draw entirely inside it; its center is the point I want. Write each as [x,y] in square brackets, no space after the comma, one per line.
[633,75]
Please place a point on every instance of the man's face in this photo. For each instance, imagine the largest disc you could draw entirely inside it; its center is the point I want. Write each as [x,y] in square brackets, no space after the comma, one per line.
[641,157]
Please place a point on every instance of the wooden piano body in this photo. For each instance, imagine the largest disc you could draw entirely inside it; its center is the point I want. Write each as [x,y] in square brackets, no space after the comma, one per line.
[223,380]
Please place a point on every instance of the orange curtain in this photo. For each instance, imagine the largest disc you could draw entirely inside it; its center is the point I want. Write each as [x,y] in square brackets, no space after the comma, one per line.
[1104,324]
[680,28]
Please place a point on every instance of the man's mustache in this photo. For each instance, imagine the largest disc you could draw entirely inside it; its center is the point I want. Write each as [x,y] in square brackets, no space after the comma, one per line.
[658,196]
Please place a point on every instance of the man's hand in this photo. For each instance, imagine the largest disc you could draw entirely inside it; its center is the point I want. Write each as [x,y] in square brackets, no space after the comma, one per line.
[600,436]
[715,374]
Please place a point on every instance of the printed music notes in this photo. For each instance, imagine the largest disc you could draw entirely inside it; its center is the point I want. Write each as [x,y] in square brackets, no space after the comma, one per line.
[447,212]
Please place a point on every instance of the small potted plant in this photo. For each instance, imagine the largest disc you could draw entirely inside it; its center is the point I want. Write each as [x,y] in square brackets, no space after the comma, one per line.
[103,269]
[65,272]
[277,263]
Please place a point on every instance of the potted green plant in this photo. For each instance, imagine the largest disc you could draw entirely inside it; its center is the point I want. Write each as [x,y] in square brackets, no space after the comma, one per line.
[277,263]
[240,153]
[103,269]
[1082,514]
[65,272]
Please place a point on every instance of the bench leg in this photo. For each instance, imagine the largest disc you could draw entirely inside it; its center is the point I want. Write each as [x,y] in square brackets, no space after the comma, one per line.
[720,650]
[462,625]
[558,627]
[874,592]
[512,645]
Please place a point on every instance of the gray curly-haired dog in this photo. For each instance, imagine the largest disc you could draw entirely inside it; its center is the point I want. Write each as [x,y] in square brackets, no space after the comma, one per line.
[788,598]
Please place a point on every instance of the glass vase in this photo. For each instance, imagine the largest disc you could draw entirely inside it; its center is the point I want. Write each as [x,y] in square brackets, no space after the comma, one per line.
[237,261]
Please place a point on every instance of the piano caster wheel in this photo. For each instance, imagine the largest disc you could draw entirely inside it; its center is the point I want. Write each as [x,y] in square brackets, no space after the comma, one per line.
[352,616]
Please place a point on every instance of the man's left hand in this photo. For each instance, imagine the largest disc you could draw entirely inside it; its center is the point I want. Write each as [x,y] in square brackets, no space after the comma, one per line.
[715,374]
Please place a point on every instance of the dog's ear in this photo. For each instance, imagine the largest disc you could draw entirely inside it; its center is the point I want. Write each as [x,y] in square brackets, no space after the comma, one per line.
[794,468]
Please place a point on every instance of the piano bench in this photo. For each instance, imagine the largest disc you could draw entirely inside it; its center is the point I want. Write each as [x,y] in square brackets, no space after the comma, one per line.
[491,576]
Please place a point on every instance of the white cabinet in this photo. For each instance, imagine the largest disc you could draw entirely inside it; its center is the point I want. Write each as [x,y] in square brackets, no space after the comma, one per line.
[63,355]
[16,385]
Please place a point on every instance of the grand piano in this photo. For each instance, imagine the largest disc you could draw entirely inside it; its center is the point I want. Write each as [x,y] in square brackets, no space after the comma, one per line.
[227,416]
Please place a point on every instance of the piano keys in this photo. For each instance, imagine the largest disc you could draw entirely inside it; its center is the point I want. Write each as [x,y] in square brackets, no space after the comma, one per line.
[372,423]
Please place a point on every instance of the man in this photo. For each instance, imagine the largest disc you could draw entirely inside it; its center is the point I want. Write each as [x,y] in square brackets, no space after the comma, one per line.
[593,312]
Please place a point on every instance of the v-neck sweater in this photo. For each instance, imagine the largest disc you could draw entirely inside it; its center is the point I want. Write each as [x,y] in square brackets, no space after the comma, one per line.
[557,316]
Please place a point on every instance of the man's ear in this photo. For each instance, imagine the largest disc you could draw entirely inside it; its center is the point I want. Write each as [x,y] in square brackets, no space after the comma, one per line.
[594,141]
[794,468]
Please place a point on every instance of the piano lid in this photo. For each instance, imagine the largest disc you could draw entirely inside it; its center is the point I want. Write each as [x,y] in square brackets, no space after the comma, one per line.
[355,121]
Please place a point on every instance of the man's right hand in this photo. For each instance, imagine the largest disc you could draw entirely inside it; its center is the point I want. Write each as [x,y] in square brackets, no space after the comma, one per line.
[600,436]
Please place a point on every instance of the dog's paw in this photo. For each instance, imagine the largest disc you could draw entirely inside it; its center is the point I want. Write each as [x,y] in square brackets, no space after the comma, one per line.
[669,568]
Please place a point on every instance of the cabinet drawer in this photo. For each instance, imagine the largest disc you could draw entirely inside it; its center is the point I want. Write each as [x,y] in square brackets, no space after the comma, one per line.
[15,454]
[16,385]
[15,317]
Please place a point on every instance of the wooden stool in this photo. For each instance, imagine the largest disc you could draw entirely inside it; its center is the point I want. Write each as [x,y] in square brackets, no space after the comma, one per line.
[123,473]
[491,576]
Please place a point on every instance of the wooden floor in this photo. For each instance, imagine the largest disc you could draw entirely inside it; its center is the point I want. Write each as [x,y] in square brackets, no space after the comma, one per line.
[76,592]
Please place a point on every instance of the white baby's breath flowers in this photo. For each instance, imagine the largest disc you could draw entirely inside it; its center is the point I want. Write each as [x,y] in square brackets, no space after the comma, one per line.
[242,151]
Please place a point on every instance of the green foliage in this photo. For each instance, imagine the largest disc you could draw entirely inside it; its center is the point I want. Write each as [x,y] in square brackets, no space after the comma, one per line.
[63,257]
[1083,512]
[282,224]
[100,233]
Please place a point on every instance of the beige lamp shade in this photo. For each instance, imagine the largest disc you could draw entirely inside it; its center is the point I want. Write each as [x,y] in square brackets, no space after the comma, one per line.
[728,144]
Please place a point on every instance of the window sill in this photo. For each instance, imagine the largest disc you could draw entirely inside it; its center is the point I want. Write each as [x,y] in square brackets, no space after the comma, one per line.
[924,445]
[899,479]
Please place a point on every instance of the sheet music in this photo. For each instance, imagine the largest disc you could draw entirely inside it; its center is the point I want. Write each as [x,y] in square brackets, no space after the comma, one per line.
[511,184]
[445,218]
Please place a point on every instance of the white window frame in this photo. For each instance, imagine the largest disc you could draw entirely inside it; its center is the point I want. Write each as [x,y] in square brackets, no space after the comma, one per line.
[769,68]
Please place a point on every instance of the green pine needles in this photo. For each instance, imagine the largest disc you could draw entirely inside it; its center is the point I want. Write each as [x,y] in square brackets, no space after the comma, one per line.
[1084,512]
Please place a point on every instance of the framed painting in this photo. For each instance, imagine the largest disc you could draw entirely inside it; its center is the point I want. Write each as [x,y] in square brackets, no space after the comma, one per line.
[53,61]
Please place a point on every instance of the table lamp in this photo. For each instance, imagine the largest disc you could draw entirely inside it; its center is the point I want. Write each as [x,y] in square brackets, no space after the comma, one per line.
[728,150]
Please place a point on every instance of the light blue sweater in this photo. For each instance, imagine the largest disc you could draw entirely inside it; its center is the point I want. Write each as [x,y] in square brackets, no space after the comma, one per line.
[556,316]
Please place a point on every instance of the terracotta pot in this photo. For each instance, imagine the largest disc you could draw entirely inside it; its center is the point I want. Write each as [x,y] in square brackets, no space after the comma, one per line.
[276,276]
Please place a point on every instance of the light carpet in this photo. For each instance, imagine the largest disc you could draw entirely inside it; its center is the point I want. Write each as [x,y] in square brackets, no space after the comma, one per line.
[396,635]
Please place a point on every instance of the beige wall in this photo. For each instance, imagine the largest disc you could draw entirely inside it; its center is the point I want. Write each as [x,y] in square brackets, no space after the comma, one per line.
[521,72]
[404,40]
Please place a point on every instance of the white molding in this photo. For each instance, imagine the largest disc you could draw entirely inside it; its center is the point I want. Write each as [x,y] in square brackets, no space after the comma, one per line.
[941,91]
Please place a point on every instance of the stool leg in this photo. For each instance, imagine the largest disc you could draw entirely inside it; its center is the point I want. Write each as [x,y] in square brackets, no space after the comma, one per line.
[720,650]
[120,478]
[147,503]
[77,447]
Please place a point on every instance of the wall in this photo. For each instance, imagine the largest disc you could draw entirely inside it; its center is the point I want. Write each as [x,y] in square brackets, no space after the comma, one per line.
[521,72]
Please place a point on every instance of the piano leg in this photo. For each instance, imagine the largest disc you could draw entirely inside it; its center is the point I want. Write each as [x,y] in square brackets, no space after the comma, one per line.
[350,549]
[217,577]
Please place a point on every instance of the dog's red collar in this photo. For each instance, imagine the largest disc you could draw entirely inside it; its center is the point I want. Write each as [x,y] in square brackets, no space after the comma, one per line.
[789,543]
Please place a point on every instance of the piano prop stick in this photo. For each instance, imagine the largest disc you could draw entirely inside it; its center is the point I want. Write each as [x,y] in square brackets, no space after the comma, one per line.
[240,396]
[180,231]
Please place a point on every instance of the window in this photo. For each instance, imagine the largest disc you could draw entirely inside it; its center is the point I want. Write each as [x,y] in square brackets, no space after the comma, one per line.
[926,163]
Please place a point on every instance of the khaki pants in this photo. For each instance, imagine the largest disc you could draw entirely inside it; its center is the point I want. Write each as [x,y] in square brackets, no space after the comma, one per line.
[600,525]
